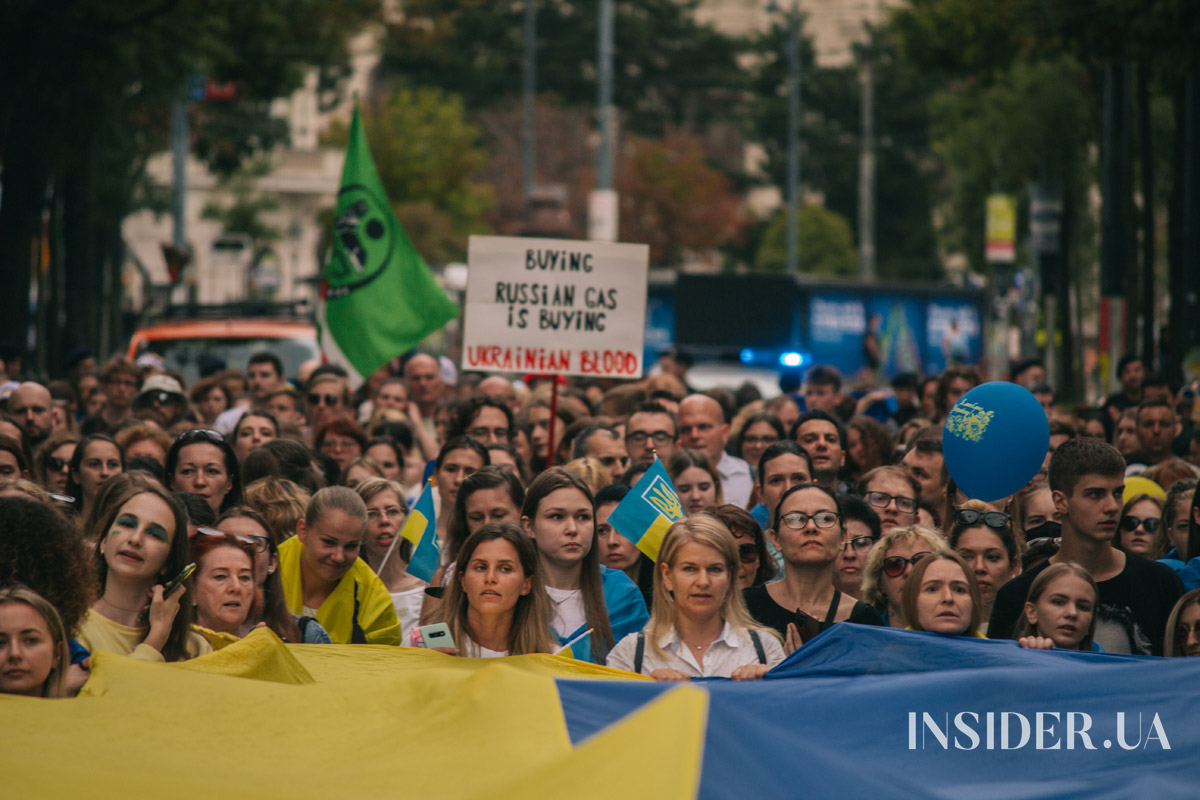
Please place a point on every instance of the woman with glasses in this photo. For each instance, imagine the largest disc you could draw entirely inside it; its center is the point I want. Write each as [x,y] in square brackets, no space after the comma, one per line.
[202,462]
[225,588]
[700,626]
[941,596]
[893,492]
[1140,530]
[984,538]
[1183,627]
[386,513]
[53,461]
[250,525]
[755,567]
[759,432]
[323,576]
[888,566]
[808,533]
[860,531]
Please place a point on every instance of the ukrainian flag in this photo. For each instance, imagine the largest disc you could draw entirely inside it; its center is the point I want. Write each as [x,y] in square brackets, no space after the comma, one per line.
[421,529]
[648,510]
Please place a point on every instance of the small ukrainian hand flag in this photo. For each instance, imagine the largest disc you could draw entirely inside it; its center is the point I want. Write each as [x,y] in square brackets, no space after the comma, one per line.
[646,513]
[421,529]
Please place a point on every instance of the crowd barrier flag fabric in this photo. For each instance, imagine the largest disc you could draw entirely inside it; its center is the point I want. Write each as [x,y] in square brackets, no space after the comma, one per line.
[378,297]
[856,712]
[421,529]
[645,514]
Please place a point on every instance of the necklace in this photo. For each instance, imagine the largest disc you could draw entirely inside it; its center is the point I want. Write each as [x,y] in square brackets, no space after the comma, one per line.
[113,605]
[570,594]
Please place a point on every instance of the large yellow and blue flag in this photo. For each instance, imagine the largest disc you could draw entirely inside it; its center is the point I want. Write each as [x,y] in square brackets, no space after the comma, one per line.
[648,510]
[421,529]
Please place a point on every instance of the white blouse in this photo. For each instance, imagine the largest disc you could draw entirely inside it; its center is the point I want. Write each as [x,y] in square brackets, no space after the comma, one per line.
[732,649]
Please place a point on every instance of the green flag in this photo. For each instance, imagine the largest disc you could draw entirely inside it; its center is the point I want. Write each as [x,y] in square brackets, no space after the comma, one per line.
[378,297]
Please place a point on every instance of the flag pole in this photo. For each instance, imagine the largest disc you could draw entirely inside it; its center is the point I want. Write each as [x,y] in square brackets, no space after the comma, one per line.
[553,419]
[396,538]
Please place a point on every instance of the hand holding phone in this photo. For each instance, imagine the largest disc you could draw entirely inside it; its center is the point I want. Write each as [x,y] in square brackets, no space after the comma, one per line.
[184,574]
[436,636]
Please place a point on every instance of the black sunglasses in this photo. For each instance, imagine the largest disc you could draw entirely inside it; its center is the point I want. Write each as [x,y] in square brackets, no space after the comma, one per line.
[893,566]
[748,553]
[993,519]
[202,434]
[330,399]
[58,464]
[1130,523]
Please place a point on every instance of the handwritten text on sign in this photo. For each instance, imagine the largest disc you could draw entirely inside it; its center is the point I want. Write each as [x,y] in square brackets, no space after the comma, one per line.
[548,305]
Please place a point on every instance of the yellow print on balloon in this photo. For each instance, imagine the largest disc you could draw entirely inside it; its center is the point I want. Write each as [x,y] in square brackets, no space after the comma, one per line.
[968,421]
[662,496]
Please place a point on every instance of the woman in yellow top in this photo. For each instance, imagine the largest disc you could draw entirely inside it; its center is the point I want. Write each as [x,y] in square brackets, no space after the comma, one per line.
[323,576]
[141,545]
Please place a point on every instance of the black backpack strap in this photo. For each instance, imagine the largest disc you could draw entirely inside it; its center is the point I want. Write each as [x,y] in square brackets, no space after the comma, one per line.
[758,648]
[639,654]
[357,634]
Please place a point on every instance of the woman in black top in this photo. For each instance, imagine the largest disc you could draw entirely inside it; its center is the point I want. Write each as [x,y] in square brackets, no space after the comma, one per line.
[808,533]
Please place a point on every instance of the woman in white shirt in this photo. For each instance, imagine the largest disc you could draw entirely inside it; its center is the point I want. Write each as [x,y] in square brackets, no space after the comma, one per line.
[495,603]
[699,626]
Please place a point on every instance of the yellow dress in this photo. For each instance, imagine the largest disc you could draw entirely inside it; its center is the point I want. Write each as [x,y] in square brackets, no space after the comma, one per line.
[98,633]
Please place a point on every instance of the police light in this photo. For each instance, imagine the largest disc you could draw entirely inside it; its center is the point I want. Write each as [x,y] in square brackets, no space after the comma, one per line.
[746,356]
[791,359]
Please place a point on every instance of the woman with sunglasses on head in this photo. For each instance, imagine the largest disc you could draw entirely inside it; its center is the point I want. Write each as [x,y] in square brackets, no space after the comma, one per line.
[1140,530]
[889,564]
[202,462]
[941,596]
[983,537]
[386,513]
[1060,610]
[808,533]
[96,459]
[755,567]
[250,525]
[141,548]
[700,626]
[323,576]
[225,587]
[559,513]
[53,461]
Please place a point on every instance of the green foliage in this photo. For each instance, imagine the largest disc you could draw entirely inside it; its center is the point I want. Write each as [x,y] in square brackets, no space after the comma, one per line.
[826,244]
[668,70]
[428,157]
[243,214]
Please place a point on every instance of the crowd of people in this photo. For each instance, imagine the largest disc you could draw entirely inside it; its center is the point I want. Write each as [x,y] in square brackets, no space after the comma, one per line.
[143,517]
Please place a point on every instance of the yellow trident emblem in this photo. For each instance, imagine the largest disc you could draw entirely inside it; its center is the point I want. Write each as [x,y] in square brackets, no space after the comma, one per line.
[662,497]
[968,421]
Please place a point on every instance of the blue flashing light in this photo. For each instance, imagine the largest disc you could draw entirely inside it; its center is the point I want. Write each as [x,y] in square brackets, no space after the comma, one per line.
[791,359]
[746,356]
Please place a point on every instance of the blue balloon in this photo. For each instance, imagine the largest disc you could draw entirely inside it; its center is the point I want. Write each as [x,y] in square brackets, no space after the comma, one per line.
[995,440]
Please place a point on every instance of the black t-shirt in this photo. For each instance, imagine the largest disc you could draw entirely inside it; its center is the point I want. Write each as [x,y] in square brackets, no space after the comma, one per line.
[1132,613]
[767,612]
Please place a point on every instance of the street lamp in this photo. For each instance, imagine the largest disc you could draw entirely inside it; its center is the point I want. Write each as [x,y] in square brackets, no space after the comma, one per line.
[792,50]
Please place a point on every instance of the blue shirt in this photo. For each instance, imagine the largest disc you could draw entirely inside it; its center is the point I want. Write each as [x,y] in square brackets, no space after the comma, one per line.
[626,614]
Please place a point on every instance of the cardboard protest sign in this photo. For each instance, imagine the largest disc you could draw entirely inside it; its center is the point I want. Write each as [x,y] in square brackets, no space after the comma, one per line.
[555,306]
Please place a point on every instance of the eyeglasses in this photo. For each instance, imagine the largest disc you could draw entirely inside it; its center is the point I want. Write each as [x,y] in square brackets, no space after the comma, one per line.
[338,444]
[393,513]
[329,399]
[894,566]
[259,543]
[1183,629]
[1131,523]
[797,520]
[748,553]
[641,437]
[200,433]
[859,543]
[58,464]
[883,499]
[993,519]
[757,440]
[486,433]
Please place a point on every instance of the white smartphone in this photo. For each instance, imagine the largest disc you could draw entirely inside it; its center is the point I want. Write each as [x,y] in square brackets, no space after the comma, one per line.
[436,635]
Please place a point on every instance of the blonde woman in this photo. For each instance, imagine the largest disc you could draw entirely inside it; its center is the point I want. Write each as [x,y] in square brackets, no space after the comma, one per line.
[699,626]
[34,655]
[890,563]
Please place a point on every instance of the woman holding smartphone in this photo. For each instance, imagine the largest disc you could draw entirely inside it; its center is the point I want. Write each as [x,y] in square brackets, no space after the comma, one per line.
[559,513]
[495,604]
[141,551]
